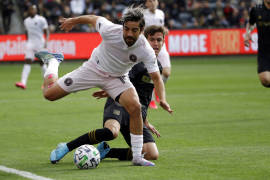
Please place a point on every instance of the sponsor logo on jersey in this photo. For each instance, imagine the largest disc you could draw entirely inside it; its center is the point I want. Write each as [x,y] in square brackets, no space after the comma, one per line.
[133,58]
[68,81]
[116,112]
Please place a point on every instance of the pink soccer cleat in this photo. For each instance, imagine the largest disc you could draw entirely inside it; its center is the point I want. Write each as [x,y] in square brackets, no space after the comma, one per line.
[153,105]
[140,161]
[20,85]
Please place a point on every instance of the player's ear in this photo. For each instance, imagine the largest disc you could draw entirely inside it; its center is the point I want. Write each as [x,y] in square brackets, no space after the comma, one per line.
[142,29]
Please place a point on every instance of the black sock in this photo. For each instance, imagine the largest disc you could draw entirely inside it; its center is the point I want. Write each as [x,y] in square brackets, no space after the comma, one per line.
[93,137]
[120,153]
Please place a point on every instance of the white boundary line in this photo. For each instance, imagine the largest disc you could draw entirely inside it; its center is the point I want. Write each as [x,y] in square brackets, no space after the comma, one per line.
[23,173]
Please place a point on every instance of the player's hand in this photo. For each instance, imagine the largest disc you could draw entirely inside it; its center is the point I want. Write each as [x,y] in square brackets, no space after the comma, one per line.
[165,106]
[66,24]
[247,39]
[152,128]
[100,94]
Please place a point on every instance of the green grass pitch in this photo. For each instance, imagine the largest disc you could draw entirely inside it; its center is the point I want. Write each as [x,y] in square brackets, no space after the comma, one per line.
[220,128]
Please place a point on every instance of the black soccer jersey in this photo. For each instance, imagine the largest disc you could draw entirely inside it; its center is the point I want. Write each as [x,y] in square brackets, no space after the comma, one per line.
[261,16]
[142,82]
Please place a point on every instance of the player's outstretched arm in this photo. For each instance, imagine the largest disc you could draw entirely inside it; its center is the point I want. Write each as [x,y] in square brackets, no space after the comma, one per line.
[160,89]
[66,24]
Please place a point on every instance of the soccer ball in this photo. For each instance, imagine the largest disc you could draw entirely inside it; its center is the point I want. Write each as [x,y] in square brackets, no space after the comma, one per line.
[86,157]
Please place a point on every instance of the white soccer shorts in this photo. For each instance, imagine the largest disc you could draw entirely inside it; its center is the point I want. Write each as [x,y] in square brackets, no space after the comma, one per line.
[86,77]
[32,48]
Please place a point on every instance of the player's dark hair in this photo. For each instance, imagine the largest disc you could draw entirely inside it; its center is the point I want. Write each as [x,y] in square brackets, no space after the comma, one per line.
[151,30]
[134,14]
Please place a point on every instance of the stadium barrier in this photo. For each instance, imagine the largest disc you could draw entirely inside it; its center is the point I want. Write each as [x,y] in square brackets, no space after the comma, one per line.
[178,42]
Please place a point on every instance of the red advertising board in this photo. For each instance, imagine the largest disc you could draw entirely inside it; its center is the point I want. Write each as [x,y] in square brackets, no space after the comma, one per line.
[178,42]
[209,42]
[72,45]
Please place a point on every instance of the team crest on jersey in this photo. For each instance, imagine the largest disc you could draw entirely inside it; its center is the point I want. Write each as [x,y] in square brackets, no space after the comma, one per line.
[116,112]
[68,81]
[133,58]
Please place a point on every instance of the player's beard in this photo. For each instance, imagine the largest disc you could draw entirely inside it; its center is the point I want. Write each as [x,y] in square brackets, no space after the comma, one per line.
[130,40]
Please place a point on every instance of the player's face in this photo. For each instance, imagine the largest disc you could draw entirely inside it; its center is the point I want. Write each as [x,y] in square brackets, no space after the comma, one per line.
[32,11]
[156,41]
[131,32]
[151,4]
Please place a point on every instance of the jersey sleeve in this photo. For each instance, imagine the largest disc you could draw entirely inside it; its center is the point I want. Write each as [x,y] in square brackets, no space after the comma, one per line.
[44,23]
[104,27]
[24,23]
[252,16]
[150,61]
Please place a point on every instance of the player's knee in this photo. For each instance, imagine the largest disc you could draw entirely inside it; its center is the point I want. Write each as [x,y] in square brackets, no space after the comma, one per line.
[265,82]
[151,155]
[134,108]
[112,128]
[115,134]
[109,134]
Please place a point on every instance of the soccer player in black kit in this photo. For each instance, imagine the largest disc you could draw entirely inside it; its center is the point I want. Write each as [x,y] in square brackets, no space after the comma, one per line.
[260,17]
[116,118]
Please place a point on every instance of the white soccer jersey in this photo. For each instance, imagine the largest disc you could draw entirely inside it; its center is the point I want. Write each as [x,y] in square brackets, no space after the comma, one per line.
[114,57]
[156,18]
[35,28]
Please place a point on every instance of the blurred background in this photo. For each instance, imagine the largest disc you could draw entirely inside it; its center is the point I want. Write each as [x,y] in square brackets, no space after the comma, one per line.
[179,14]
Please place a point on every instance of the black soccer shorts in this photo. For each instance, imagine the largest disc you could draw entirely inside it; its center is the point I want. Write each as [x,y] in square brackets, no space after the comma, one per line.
[115,111]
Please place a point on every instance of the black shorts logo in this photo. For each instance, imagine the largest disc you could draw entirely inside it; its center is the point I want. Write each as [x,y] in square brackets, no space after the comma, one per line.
[68,81]
[133,58]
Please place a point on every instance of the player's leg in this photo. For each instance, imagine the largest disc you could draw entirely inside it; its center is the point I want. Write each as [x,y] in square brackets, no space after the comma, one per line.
[109,132]
[264,68]
[265,78]
[29,57]
[25,74]
[150,150]
[122,90]
[111,120]
[51,90]
[129,99]
[43,67]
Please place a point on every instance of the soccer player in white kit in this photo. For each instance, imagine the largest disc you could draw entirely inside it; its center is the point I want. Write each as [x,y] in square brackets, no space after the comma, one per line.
[154,16]
[36,26]
[122,46]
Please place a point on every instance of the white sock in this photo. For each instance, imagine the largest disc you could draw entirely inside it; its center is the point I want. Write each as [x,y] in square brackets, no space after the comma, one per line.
[136,145]
[165,79]
[25,73]
[52,67]
[43,69]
